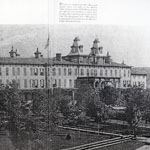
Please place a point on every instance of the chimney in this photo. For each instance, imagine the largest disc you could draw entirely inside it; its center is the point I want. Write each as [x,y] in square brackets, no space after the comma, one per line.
[108,58]
[58,56]
[37,53]
[16,53]
[123,62]
[12,52]
[101,49]
[81,48]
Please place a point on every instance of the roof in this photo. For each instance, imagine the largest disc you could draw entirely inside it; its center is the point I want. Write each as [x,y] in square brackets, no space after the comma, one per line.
[136,71]
[19,60]
[32,61]
[118,64]
[42,61]
[113,64]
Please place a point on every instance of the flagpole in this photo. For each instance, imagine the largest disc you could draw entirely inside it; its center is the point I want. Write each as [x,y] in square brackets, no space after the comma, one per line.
[48,74]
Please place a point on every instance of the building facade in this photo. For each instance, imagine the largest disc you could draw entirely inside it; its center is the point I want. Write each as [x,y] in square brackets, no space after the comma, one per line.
[138,79]
[64,71]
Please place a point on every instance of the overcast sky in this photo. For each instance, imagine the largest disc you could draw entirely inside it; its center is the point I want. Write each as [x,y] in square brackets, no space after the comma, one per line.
[123,28]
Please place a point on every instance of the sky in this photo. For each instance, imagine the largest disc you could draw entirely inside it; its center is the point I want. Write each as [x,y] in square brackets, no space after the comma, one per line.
[123,27]
[116,12]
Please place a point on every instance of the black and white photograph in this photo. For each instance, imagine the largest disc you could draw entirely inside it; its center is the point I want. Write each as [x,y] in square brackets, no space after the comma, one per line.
[74,75]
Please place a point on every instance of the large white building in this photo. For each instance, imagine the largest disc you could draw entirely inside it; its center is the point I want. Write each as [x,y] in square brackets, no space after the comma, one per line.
[64,71]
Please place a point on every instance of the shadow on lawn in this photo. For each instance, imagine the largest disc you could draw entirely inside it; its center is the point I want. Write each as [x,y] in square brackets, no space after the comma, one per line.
[56,140]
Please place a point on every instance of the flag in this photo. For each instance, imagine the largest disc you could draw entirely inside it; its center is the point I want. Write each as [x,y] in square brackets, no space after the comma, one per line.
[47,43]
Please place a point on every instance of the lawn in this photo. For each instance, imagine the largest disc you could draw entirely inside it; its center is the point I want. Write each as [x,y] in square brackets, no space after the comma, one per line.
[59,141]
[131,145]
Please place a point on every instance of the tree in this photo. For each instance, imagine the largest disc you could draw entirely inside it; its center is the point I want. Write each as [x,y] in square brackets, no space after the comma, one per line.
[89,101]
[146,106]
[109,95]
[134,98]
[28,118]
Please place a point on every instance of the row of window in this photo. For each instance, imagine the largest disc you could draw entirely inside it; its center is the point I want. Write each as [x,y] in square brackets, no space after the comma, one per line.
[139,84]
[16,71]
[63,83]
[139,77]
[126,83]
[67,71]
[41,84]
[90,72]
[32,83]
[36,71]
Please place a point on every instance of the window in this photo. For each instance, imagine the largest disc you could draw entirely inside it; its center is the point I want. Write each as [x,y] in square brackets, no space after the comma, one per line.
[30,82]
[101,72]
[18,82]
[124,83]
[128,73]
[116,73]
[59,82]
[124,73]
[95,72]
[59,71]
[106,72]
[25,83]
[42,83]
[7,71]
[48,71]
[35,71]
[69,71]
[70,83]
[87,72]
[42,71]
[76,72]
[54,71]
[55,83]
[81,59]
[31,71]
[49,83]
[139,84]
[65,83]
[111,73]
[18,71]
[75,83]
[25,71]
[65,72]
[36,83]
[82,72]
[33,83]
[0,71]
[129,83]
[92,73]
[13,71]
[119,73]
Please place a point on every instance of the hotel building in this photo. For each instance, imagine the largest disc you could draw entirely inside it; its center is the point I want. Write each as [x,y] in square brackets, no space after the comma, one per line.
[66,71]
